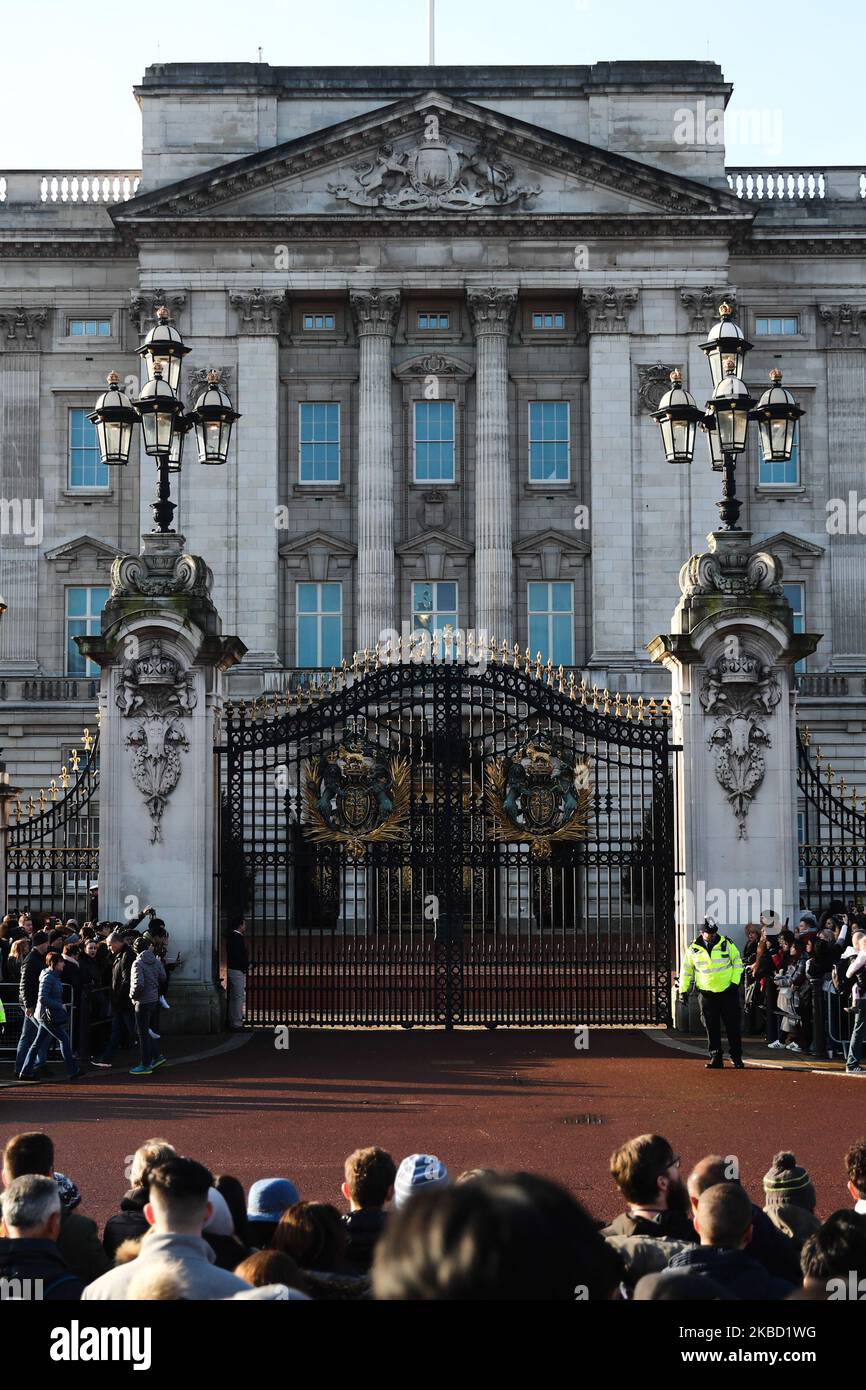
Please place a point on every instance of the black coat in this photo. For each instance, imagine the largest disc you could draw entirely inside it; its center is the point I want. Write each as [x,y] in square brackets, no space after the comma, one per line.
[120,977]
[735,1271]
[28,985]
[363,1229]
[40,1259]
[129,1223]
[773,1249]
[237,955]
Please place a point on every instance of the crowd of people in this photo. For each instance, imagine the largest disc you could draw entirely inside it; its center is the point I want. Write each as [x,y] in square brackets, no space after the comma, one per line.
[411,1231]
[805,988]
[91,991]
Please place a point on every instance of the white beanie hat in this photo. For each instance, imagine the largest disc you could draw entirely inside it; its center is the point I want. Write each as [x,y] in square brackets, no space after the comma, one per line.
[221,1223]
[417,1173]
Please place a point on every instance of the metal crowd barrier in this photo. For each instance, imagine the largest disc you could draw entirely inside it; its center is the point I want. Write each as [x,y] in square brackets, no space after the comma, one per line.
[89,1024]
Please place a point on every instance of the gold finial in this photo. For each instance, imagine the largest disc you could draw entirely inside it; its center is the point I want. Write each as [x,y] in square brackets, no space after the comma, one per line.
[617,705]
[376,658]
[17,810]
[366,660]
[64,778]
[516,656]
[776,375]
[676,376]
[854,798]
[830,774]
[52,787]
[213,378]
[818,755]
[806,735]
[640,709]
[730,365]
[356,664]
[504,653]
[230,709]
[527,662]
[494,650]
[344,670]
[400,650]
[842,788]
[628,707]
[98,717]
[41,798]
[572,686]
[595,697]
[666,708]
[652,709]
[538,666]
[725,310]
[560,680]
[332,679]
[584,692]
[112,378]
[30,808]
[162,313]
[87,740]
[74,759]
[549,670]
[606,698]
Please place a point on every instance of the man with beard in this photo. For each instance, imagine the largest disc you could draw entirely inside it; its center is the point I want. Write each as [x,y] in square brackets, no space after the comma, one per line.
[647,1172]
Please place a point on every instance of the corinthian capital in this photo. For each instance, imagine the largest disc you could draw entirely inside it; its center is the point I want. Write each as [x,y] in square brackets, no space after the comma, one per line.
[21,328]
[259,311]
[491,310]
[609,309]
[843,323]
[375,312]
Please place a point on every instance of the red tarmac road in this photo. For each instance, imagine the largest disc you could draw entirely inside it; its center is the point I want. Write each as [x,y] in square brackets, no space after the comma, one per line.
[477,1099]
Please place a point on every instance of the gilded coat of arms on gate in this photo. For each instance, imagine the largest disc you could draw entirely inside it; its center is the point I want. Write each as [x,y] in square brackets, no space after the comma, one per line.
[539,795]
[356,795]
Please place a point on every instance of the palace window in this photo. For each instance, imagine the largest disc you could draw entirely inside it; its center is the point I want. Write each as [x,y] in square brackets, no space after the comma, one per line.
[777,327]
[549,443]
[88,328]
[796,596]
[83,609]
[434,607]
[320,625]
[550,609]
[319,323]
[319,446]
[782,474]
[86,469]
[434,441]
[543,321]
[427,320]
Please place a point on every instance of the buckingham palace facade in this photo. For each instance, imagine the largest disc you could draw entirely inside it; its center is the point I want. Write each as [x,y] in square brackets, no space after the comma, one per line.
[446,302]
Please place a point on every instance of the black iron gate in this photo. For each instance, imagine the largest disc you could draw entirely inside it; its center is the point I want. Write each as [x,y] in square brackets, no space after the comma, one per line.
[440,844]
[831,831]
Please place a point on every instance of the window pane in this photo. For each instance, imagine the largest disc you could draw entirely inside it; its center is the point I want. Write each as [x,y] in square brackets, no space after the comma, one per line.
[76,602]
[306,598]
[538,637]
[446,595]
[560,597]
[307,644]
[330,598]
[563,644]
[331,653]
[537,598]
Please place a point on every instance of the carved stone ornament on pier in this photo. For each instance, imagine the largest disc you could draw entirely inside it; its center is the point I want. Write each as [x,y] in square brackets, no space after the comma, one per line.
[157,694]
[433,176]
[652,383]
[738,693]
[702,306]
[21,328]
[259,311]
[732,571]
[162,569]
[609,309]
[144,304]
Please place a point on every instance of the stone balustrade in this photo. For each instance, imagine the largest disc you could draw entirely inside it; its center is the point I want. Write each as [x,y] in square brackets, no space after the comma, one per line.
[30,690]
[38,187]
[830,183]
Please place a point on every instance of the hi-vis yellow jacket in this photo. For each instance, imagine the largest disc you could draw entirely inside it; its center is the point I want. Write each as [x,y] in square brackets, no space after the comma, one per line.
[712,971]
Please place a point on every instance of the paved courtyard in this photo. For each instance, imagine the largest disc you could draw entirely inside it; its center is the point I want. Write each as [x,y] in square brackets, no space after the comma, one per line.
[499,1099]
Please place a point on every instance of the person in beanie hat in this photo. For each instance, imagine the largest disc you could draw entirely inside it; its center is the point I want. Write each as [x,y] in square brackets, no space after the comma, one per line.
[417,1173]
[790,1200]
[268,1199]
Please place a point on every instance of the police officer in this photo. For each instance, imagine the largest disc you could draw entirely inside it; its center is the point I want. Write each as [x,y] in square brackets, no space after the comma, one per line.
[715,966]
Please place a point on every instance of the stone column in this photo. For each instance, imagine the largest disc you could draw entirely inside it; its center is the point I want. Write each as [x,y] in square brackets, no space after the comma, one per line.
[731,652]
[257,464]
[846,423]
[162,656]
[611,476]
[492,313]
[20,500]
[375,314]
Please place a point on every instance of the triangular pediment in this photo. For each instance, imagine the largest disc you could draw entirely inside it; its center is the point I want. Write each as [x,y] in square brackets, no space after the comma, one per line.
[784,540]
[429,155]
[436,540]
[317,541]
[83,548]
[551,539]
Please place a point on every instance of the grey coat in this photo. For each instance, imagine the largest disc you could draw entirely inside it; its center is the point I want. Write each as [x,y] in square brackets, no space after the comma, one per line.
[147,979]
[200,1276]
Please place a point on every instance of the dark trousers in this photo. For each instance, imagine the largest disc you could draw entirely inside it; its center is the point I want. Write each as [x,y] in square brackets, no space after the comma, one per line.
[144,1017]
[718,1009]
[122,1030]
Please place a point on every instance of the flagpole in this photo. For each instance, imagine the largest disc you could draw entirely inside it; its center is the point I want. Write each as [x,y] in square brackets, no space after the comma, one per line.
[431,30]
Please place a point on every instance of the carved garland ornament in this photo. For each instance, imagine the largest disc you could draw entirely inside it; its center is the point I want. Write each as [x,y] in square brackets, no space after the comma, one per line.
[739,692]
[157,694]
[537,796]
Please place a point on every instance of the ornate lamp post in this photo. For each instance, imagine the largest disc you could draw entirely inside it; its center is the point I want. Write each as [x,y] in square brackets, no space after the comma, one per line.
[161,415]
[730,409]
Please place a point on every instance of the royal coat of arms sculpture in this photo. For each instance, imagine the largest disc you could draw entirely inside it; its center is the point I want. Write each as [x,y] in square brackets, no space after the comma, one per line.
[539,795]
[356,795]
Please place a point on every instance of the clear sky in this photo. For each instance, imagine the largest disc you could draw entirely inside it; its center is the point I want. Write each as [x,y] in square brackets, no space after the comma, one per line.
[66,93]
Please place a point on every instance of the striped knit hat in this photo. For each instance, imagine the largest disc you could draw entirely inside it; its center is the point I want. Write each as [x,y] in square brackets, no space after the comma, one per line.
[417,1173]
[787,1183]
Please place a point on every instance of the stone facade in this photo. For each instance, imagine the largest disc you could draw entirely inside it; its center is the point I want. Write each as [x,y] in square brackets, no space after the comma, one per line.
[298,223]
